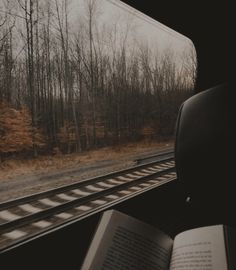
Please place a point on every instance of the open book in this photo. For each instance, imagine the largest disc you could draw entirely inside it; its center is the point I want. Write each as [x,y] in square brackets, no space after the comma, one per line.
[123,242]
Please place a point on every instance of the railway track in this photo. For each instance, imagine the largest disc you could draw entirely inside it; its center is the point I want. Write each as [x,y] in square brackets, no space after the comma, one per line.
[30,216]
[154,157]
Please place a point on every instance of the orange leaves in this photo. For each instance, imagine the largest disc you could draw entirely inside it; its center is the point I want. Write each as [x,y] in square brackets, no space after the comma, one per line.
[148,131]
[16,129]
[16,132]
[67,134]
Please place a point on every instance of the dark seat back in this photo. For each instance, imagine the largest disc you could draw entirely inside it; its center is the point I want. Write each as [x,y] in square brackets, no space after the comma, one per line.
[205,153]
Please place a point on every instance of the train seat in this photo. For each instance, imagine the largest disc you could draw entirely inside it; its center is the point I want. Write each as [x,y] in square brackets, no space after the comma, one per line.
[205,142]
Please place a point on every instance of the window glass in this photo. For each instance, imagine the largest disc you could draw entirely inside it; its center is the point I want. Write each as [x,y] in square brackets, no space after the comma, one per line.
[86,80]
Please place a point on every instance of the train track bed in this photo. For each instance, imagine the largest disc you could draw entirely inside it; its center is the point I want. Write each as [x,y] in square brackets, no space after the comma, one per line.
[29,216]
[154,157]
[14,186]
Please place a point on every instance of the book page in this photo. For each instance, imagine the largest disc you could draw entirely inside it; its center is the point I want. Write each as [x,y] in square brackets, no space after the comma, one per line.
[200,249]
[123,242]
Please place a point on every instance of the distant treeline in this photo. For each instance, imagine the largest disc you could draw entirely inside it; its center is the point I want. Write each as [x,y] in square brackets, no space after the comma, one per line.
[63,91]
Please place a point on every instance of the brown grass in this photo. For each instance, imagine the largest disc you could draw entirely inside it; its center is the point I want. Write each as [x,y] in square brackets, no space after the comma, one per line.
[45,164]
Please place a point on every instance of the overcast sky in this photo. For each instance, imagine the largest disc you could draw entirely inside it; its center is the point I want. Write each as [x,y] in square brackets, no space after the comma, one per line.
[142,30]
[142,27]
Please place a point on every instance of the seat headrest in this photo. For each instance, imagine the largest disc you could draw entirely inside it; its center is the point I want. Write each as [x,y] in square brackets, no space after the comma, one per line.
[205,144]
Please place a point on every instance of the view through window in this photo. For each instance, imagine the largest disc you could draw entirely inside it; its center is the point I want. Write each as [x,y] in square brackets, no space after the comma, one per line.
[85,86]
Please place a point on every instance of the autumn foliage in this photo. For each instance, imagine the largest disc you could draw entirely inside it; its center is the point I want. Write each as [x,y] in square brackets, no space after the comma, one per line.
[16,131]
[69,87]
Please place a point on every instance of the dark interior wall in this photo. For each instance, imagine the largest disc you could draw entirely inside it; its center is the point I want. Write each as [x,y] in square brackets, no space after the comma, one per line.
[209,24]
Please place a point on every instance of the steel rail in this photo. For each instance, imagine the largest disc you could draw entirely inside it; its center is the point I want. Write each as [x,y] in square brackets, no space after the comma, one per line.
[82,183]
[12,225]
[165,153]
[15,243]
[129,183]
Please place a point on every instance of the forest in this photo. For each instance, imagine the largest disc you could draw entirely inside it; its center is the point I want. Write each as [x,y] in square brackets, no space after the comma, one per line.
[68,87]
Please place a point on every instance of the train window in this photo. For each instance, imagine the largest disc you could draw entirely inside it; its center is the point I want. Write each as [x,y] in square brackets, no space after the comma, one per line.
[84,82]
[87,88]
